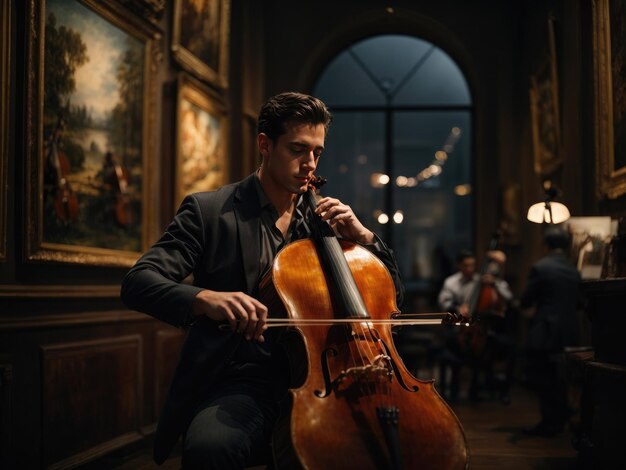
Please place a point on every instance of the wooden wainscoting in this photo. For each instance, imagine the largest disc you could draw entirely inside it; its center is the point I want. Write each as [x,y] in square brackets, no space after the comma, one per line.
[6,380]
[77,385]
[91,398]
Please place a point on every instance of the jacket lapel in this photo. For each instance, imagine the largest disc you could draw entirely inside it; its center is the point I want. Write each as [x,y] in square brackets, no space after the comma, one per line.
[247,212]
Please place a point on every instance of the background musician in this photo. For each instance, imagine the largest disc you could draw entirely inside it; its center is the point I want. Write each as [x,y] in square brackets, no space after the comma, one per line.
[225,394]
[463,346]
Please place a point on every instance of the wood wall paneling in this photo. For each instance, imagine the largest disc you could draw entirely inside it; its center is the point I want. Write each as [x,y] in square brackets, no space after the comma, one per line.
[6,380]
[168,344]
[91,398]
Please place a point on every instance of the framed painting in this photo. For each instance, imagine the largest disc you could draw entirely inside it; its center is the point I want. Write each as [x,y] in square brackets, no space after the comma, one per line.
[511,214]
[200,39]
[5,75]
[544,112]
[201,135]
[89,124]
[609,58]
[591,238]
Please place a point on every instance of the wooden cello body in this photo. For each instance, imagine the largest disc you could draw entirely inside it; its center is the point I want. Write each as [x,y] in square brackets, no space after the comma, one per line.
[353,404]
[58,168]
[485,303]
[123,209]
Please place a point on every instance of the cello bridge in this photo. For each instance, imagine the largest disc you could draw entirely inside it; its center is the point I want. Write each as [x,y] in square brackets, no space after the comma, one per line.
[378,370]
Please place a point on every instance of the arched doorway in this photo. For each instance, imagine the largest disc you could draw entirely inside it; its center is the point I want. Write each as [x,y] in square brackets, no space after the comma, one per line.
[400,152]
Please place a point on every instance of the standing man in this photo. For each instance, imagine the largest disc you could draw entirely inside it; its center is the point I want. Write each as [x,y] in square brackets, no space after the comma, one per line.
[225,394]
[550,302]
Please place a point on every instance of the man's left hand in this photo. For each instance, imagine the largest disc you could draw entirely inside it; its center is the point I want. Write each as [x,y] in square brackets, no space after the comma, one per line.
[342,219]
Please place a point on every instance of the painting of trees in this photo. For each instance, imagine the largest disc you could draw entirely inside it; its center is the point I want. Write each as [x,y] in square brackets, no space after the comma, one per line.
[94,83]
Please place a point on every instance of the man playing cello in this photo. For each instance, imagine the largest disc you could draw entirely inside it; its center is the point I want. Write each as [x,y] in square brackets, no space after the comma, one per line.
[224,398]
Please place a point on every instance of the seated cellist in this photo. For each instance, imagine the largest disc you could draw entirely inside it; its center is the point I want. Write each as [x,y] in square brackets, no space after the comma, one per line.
[455,296]
[225,393]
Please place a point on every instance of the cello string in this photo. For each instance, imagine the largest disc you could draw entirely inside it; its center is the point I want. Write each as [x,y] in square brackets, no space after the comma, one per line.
[383,389]
[364,385]
[374,347]
[361,385]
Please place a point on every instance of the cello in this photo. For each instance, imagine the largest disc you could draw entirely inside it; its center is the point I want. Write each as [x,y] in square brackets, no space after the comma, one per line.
[352,402]
[117,181]
[484,303]
[58,167]
[123,208]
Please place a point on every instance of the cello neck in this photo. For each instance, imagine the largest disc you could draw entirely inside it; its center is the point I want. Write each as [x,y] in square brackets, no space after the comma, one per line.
[334,264]
[473,300]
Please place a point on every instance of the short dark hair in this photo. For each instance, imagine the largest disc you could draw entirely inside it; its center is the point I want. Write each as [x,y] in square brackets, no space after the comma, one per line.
[291,107]
[556,237]
[463,255]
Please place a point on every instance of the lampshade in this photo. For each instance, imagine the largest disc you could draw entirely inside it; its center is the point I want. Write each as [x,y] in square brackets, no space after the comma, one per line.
[548,212]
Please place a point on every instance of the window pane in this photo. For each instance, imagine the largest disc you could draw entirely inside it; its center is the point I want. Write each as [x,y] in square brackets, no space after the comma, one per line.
[412,71]
[437,82]
[344,83]
[436,221]
[353,151]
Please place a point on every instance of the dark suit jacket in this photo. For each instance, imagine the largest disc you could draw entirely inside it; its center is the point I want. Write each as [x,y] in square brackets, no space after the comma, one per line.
[553,290]
[215,236]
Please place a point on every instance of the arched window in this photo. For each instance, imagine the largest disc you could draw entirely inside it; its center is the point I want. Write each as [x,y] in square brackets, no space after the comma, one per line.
[399,152]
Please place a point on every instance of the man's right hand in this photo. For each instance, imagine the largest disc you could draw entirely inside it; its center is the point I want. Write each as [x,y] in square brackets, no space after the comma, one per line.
[463,310]
[243,313]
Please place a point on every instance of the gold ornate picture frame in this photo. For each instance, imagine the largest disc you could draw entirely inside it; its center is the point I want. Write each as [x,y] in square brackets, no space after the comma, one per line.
[544,112]
[201,139]
[200,39]
[609,58]
[90,120]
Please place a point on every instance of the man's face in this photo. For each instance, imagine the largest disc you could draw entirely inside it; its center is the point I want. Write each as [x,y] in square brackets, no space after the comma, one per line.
[467,266]
[291,160]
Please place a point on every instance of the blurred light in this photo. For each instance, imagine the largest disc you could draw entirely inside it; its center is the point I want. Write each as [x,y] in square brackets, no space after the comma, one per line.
[398,217]
[401,181]
[390,10]
[463,189]
[456,131]
[548,212]
[378,180]
[411,182]
[448,148]
[441,156]
[434,170]
[362,159]
[383,218]
[343,168]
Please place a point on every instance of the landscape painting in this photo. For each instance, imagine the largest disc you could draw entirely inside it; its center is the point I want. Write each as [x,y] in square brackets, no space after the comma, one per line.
[93,113]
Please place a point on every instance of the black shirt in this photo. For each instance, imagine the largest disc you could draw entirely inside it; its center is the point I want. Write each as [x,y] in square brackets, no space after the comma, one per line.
[253,357]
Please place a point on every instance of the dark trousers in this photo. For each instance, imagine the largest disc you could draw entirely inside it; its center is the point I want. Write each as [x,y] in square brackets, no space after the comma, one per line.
[231,429]
[546,376]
